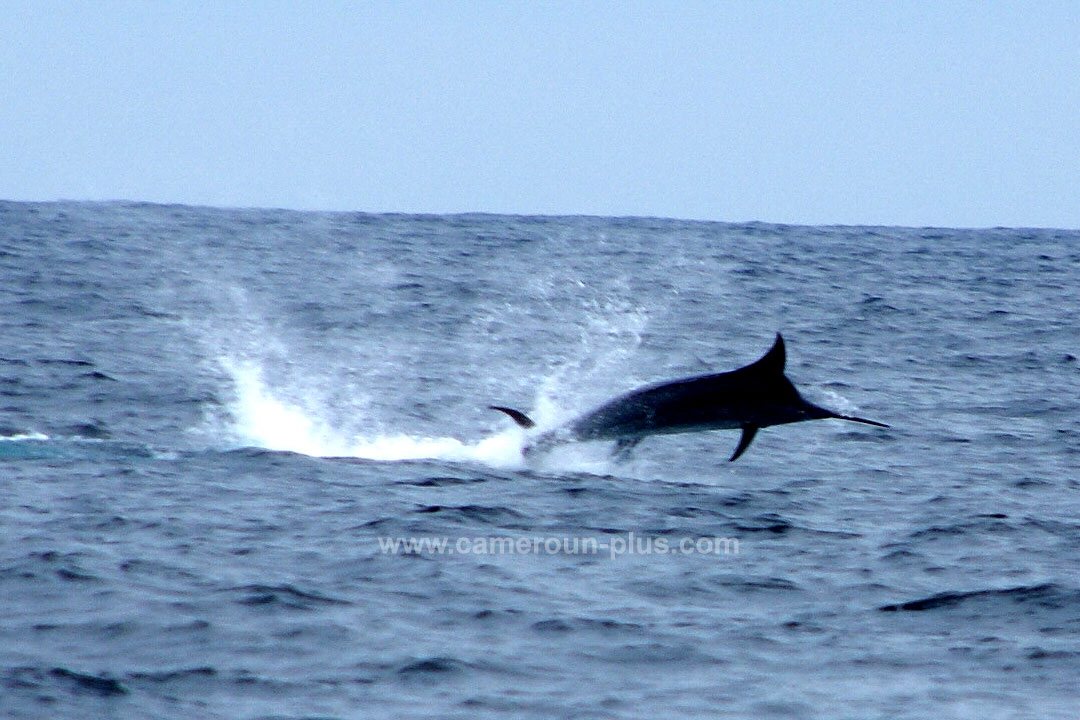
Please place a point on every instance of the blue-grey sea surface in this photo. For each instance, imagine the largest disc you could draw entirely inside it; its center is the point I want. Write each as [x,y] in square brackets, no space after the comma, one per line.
[248,469]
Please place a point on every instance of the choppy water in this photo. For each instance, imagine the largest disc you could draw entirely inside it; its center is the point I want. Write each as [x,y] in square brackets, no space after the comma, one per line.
[215,425]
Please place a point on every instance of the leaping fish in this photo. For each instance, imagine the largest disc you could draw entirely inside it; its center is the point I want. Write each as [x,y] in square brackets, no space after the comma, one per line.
[749,398]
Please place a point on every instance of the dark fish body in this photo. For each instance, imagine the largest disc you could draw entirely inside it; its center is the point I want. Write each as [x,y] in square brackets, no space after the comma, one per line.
[752,397]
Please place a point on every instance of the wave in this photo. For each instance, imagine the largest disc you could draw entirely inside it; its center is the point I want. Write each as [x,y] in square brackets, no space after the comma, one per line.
[39,446]
[24,437]
[1046,595]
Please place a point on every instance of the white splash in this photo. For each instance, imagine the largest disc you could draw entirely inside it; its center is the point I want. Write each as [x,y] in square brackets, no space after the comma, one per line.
[261,419]
[269,422]
[24,437]
[503,450]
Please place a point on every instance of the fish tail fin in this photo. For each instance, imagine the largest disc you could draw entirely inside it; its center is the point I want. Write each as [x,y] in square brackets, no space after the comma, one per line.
[517,416]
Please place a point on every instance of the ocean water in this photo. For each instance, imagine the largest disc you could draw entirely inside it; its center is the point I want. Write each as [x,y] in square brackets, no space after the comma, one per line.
[247,469]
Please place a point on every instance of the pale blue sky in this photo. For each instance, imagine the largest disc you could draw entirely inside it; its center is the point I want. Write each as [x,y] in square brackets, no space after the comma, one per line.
[905,112]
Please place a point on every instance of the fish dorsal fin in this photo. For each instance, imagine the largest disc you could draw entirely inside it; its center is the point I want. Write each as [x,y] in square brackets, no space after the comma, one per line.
[773,361]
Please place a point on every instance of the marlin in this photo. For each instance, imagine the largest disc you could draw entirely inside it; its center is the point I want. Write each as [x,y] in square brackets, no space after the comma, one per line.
[750,398]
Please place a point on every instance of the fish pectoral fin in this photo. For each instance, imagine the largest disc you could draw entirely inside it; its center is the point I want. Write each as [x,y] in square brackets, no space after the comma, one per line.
[517,416]
[748,433]
[623,446]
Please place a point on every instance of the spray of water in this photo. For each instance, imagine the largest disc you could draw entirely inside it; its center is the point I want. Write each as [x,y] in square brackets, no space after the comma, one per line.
[278,397]
[262,419]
